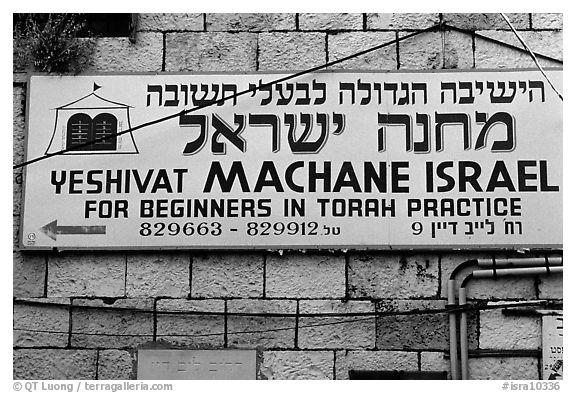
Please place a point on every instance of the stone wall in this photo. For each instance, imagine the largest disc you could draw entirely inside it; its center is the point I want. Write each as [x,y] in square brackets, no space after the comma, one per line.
[126,294]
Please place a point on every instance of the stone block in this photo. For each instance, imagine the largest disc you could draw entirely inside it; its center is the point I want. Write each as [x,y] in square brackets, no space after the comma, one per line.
[171,22]
[211,51]
[354,332]
[502,288]
[119,54]
[401,21]
[550,287]
[326,21]
[250,22]
[417,332]
[383,275]
[291,51]
[116,364]
[28,274]
[436,50]
[498,331]
[175,326]
[270,332]
[227,275]
[298,275]
[18,123]
[345,44]
[458,50]
[504,368]
[122,324]
[81,274]
[54,364]
[374,360]
[41,325]
[486,21]
[435,361]
[493,55]
[154,275]
[547,21]
[307,365]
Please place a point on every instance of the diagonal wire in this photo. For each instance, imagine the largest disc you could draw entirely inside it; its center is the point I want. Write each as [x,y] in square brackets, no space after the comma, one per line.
[371,318]
[531,54]
[224,99]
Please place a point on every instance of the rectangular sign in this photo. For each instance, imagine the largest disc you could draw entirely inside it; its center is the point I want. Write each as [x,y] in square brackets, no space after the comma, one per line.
[552,346]
[169,364]
[360,160]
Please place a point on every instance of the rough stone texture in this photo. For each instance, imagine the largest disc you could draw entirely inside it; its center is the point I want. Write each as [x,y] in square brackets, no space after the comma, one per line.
[151,275]
[489,54]
[458,51]
[435,361]
[426,331]
[306,365]
[346,44]
[374,360]
[250,22]
[503,288]
[436,50]
[291,51]
[401,21]
[18,124]
[170,22]
[41,326]
[503,368]
[487,21]
[228,275]
[54,364]
[305,276]
[119,54]
[547,21]
[330,21]
[211,51]
[262,339]
[86,274]
[115,364]
[197,331]
[354,332]
[383,275]
[108,328]
[550,287]
[29,274]
[498,331]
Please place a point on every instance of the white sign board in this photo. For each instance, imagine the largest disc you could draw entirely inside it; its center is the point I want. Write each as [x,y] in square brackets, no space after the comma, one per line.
[326,160]
[172,364]
[552,347]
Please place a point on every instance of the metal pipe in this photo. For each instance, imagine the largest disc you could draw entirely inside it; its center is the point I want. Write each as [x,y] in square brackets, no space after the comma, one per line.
[490,273]
[463,334]
[517,262]
[526,271]
[452,316]
[454,372]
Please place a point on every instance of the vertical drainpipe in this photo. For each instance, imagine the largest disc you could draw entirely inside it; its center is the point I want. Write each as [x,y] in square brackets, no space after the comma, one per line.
[494,273]
[547,265]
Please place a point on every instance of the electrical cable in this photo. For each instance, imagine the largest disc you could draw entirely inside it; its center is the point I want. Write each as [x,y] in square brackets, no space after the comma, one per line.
[382,314]
[531,55]
[220,101]
[286,315]
[224,99]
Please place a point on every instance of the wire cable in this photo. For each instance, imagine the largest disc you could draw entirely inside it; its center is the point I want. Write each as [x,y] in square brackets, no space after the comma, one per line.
[382,314]
[224,99]
[439,26]
[531,54]
[287,315]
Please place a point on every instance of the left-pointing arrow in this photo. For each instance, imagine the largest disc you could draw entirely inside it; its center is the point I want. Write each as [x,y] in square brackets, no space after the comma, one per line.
[52,230]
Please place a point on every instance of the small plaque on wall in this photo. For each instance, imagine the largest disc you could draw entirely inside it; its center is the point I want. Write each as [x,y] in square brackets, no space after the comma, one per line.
[170,364]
